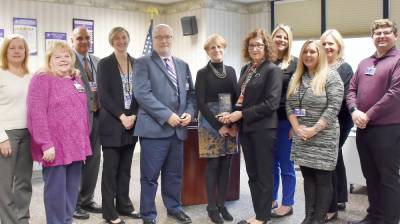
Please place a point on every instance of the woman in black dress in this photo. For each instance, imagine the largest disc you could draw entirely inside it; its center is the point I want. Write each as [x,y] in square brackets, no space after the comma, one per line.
[215,91]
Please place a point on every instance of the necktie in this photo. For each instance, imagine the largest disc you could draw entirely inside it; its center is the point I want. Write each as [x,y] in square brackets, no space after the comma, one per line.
[171,72]
[92,82]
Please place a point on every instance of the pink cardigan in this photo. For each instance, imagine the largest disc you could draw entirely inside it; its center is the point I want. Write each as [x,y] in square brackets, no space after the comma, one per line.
[58,117]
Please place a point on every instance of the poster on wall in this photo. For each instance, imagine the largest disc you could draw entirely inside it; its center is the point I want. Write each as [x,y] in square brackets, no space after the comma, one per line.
[51,37]
[89,24]
[28,29]
[1,35]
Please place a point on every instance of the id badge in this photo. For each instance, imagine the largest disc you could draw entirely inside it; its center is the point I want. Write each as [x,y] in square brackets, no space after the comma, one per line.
[300,112]
[127,101]
[370,71]
[93,86]
[79,87]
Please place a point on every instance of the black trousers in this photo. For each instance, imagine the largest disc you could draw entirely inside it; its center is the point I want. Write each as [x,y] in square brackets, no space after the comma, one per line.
[217,180]
[90,169]
[115,180]
[318,187]
[379,151]
[258,150]
[339,178]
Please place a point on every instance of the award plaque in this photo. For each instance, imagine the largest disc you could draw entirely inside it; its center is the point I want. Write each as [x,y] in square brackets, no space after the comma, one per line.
[225,103]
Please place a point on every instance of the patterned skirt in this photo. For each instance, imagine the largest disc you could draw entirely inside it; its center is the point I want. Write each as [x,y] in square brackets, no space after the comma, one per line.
[211,144]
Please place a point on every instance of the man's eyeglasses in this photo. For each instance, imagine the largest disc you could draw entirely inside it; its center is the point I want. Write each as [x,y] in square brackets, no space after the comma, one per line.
[385,33]
[166,37]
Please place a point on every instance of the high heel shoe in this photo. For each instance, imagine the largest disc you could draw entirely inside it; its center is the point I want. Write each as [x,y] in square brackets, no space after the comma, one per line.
[276,215]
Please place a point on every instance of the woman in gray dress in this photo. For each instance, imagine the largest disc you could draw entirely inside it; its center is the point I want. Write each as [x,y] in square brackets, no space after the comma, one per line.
[315,94]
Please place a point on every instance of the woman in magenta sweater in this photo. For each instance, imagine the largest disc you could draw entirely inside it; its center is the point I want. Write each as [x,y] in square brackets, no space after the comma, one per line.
[60,134]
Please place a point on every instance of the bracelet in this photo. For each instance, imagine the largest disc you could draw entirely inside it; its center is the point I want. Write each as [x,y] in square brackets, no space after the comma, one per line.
[318,127]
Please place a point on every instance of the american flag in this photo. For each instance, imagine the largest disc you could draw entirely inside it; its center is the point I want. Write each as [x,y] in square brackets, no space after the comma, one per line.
[148,44]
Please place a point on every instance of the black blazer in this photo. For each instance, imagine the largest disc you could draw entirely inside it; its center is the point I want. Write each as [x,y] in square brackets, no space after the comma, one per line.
[110,93]
[261,97]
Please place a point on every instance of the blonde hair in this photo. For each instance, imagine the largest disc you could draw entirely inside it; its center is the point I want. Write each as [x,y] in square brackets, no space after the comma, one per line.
[382,23]
[58,45]
[337,37]
[321,71]
[287,57]
[214,39]
[4,49]
[266,41]
[116,30]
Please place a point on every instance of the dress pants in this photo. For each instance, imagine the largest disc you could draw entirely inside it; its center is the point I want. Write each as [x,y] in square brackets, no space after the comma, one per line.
[283,166]
[117,162]
[217,180]
[379,151]
[15,179]
[61,188]
[339,179]
[257,149]
[163,155]
[90,169]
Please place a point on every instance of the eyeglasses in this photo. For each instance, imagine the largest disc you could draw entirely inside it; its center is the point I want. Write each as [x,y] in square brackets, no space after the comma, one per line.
[166,37]
[258,46]
[385,33]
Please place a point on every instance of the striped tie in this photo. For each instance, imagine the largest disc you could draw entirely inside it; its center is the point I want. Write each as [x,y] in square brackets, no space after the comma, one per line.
[171,72]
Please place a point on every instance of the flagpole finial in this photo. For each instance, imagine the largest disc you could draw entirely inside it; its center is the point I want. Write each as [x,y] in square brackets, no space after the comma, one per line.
[152,12]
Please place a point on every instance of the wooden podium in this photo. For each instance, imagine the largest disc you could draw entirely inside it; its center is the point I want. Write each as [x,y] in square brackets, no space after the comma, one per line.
[194,169]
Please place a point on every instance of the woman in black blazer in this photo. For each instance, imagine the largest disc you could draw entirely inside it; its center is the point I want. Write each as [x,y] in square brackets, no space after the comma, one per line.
[117,119]
[260,86]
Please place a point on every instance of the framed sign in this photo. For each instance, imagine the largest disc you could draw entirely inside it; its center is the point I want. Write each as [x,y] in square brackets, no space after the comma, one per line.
[51,37]
[1,35]
[28,29]
[89,24]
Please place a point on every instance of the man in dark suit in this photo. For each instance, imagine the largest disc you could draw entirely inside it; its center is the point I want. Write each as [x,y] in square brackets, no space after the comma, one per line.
[164,90]
[87,64]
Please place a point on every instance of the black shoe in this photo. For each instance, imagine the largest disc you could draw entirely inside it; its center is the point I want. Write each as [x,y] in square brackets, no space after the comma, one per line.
[121,221]
[242,222]
[214,216]
[92,207]
[149,221]
[341,206]
[133,215]
[181,217]
[366,220]
[225,214]
[276,215]
[80,214]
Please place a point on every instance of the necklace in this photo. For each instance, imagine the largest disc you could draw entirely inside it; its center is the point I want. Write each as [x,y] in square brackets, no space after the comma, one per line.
[216,72]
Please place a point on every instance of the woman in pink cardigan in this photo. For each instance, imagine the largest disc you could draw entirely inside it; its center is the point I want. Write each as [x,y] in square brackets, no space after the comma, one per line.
[58,123]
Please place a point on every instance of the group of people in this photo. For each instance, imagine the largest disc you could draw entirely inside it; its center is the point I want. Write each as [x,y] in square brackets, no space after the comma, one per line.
[282,110]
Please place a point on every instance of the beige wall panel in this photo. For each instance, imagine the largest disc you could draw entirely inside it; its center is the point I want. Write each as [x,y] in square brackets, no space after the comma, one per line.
[395,15]
[303,16]
[353,18]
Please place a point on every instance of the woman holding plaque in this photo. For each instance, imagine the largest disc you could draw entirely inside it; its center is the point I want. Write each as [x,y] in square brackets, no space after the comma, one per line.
[314,97]
[260,87]
[283,167]
[117,122]
[332,41]
[215,91]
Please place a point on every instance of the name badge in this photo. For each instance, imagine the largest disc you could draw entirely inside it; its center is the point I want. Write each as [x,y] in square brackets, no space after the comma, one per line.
[93,86]
[187,86]
[79,87]
[127,100]
[370,71]
[300,112]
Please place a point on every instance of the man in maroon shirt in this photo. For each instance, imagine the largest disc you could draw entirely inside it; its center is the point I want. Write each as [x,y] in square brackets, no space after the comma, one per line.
[374,103]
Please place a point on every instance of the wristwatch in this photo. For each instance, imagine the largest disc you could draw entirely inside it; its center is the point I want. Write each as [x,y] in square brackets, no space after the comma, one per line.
[353,109]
